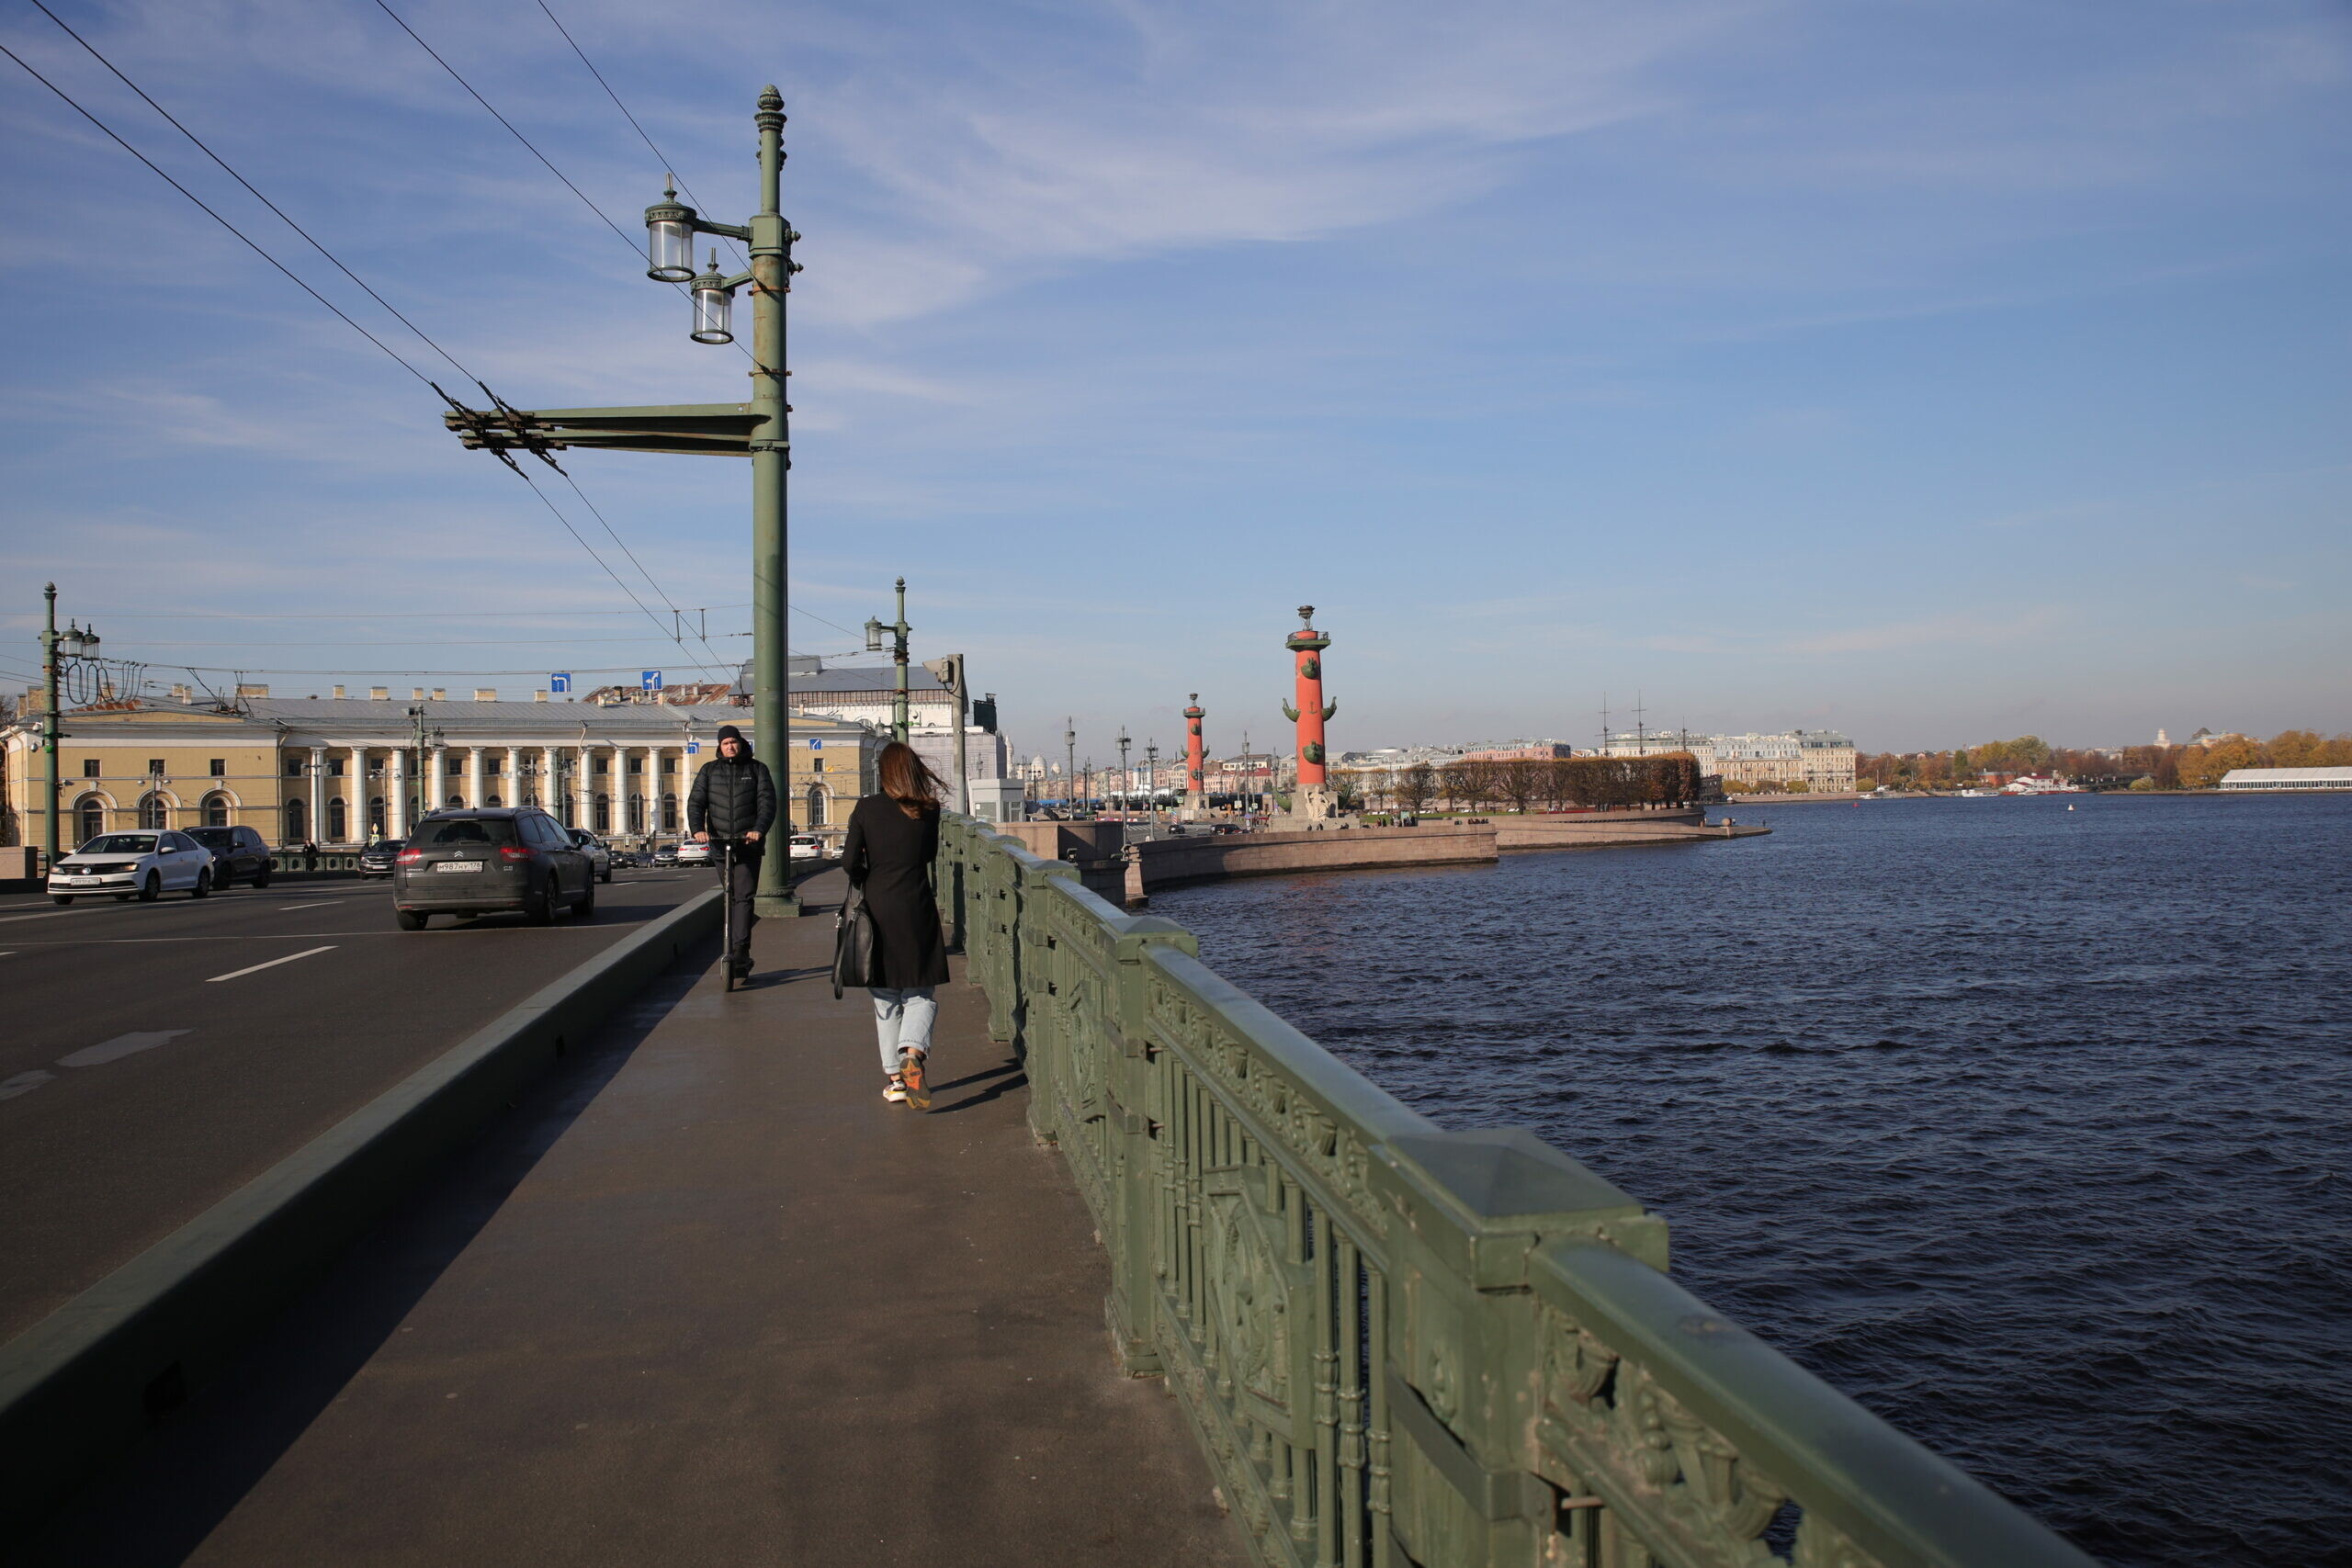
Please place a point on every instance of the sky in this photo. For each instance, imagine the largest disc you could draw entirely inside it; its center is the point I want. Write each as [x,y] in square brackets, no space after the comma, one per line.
[1937,371]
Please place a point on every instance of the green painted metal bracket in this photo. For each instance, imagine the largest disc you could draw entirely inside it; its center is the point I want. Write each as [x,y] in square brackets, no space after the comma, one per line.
[722,430]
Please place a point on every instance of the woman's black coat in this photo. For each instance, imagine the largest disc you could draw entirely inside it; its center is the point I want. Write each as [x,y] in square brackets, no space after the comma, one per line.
[889,853]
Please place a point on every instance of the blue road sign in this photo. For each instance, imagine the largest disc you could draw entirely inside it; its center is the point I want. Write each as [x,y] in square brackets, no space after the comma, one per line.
[559,682]
[650,680]
[694,748]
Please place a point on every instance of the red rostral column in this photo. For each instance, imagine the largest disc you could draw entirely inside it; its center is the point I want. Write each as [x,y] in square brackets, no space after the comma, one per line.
[1196,793]
[1308,644]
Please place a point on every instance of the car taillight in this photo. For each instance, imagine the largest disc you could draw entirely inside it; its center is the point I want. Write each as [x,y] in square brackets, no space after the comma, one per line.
[410,857]
[510,854]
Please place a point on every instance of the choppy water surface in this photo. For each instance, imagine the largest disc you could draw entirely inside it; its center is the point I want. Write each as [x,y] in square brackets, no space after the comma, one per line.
[2031,1129]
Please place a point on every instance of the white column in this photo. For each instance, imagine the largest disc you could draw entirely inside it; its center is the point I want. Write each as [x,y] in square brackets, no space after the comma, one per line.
[583,789]
[550,783]
[513,793]
[318,794]
[436,767]
[356,815]
[473,775]
[396,795]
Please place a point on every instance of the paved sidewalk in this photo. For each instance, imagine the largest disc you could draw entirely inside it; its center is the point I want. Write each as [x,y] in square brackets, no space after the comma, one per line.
[707,1300]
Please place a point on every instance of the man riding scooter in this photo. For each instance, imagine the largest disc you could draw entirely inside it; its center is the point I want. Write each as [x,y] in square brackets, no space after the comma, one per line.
[732,803]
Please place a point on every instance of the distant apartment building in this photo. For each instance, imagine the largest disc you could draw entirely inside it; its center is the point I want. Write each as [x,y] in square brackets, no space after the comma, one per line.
[1820,760]
[1520,752]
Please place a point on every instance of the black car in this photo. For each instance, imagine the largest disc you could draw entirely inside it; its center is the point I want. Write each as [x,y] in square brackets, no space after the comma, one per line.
[237,853]
[377,859]
[490,861]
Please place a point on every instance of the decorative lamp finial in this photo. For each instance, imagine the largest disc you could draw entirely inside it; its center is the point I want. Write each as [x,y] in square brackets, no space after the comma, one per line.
[1307,614]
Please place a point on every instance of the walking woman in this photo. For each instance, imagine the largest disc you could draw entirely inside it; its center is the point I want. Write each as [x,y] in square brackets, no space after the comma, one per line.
[893,838]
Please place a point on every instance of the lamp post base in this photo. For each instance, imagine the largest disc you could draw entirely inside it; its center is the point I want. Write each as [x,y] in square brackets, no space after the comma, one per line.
[778,906]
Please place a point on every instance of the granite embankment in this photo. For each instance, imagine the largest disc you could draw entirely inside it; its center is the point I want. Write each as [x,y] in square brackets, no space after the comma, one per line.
[1131,871]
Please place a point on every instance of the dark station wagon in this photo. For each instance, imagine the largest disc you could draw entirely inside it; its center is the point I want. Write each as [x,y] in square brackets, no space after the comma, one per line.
[492,860]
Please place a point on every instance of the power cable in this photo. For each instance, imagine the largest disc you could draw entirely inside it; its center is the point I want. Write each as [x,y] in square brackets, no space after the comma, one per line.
[355,277]
[208,212]
[509,124]
[346,615]
[642,136]
[257,194]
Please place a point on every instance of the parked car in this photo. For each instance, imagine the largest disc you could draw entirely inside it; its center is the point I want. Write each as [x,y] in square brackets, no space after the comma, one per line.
[600,859]
[489,861]
[807,846]
[144,864]
[688,854]
[238,855]
[377,859]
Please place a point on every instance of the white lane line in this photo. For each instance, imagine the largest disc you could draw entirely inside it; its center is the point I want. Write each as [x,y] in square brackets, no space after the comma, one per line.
[119,1047]
[273,963]
[318,903]
[23,1083]
[46,915]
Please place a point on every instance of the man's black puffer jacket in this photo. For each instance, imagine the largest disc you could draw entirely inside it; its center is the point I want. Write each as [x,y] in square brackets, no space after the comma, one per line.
[730,799]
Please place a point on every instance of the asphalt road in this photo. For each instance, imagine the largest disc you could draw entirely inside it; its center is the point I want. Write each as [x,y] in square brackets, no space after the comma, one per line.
[156,1056]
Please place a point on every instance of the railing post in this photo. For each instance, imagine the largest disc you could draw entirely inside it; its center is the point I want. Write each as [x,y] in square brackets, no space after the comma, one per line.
[1133,1236]
[1046,1056]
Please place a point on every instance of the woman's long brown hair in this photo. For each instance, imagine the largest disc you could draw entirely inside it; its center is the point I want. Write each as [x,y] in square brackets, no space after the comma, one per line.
[907,779]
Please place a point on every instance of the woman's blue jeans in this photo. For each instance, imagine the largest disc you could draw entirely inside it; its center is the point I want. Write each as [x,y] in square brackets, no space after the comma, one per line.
[902,1017]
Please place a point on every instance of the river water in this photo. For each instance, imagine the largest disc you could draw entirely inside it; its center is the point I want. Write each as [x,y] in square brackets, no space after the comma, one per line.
[2028,1128]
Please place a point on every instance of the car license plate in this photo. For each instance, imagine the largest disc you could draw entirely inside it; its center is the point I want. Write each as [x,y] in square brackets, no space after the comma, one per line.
[85,881]
[458,865]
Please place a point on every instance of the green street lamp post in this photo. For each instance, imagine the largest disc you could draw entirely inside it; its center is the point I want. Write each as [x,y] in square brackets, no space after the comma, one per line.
[73,643]
[901,723]
[759,427]
[1127,776]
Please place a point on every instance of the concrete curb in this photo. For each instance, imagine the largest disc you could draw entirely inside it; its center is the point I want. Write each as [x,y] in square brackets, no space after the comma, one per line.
[87,1380]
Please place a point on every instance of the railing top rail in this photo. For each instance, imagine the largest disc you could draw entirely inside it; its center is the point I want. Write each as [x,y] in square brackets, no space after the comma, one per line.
[1847,1468]
[1338,1088]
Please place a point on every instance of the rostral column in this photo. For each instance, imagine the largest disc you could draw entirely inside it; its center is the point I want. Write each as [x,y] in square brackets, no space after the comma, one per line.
[1314,799]
[1196,793]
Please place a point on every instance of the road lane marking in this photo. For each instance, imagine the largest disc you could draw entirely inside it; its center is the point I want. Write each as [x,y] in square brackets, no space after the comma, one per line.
[316,904]
[121,1045]
[23,1083]
[271,964]
[46,915]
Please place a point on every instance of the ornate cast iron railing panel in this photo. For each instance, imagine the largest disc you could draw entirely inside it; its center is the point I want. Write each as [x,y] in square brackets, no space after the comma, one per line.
[1402,1345]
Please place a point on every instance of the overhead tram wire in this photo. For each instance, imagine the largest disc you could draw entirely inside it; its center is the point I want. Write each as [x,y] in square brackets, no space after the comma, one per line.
[635,247]
[355,277]
[202,146]
[641,134]
[248,243]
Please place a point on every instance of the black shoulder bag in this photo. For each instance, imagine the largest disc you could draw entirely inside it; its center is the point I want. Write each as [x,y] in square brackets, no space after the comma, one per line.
[854,947]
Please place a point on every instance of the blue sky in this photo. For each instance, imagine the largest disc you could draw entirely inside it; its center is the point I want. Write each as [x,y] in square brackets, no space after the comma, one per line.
[1935,371]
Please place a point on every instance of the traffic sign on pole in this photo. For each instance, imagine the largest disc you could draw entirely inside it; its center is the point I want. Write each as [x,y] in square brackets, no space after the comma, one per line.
[559,682]
[650,680]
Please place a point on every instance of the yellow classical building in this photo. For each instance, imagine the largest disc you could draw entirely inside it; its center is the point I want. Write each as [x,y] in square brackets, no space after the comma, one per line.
[336,770]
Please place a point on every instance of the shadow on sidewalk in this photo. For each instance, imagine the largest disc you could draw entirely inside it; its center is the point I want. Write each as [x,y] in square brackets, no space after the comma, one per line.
[158,1506]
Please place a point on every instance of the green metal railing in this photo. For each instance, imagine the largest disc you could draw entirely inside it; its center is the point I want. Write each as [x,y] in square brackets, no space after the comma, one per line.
[1403,1346]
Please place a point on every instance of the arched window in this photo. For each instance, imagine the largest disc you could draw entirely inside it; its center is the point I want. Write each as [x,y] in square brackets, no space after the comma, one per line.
[455,802]
[491,799]
[90,817]
[216,810]
[152,811]
[603,813]
[297,825]
[338,821]
[669,813]
[376,818]
[637,814]
[816,818]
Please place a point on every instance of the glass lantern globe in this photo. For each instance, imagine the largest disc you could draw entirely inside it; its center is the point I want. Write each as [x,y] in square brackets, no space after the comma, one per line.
[714,307]
[670,240]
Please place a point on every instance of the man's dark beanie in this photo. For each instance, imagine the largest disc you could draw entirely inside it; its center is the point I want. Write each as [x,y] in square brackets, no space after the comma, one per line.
[728,732]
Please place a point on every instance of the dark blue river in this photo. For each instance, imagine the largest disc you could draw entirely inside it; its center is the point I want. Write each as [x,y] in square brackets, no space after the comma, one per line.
[2028,1128]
